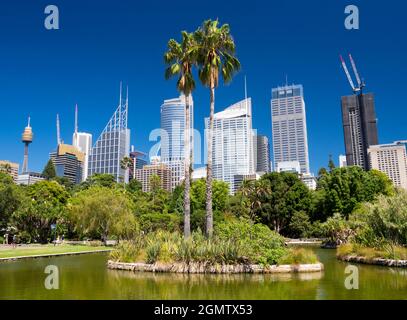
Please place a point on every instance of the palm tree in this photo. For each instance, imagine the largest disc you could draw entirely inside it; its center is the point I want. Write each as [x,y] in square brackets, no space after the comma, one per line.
[126,163]
[180,59]
[216,55]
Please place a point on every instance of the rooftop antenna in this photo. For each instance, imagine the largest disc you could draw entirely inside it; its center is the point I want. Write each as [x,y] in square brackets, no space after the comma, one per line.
[76,118]
[245,95]
[58,132]
[286,80]
[120,101]
[245,87]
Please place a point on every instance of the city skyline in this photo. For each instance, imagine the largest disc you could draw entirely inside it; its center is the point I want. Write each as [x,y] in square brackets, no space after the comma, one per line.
[89,75]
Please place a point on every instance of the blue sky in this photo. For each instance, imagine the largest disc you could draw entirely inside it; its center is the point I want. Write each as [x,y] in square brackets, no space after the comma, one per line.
[101,43]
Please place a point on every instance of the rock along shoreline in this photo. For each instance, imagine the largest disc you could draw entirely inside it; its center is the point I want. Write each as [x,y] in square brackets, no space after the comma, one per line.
[375,261]
[196,267]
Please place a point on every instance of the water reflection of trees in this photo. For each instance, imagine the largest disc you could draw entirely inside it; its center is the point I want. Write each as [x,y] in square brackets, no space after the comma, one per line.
[145,285]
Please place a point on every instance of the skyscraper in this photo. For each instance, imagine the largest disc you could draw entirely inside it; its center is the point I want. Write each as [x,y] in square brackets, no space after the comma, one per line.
[262,152]
[82,141]
[359,127]
[289,126]
[172,136]
[68,161]
[392,160]
[139,160]
[359,120]
[112,145]
[233,152]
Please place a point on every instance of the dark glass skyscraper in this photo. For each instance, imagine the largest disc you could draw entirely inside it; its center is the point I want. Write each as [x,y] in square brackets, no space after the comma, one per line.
[359,127]
[262,152]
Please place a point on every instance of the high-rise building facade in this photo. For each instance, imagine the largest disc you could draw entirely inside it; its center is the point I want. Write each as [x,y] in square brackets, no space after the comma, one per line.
[112,145]
[82,141]
[172,136]
[139,160]
[68,161]
[233,151]
[289,126]
[342,161]
[392,160]
[10,168]
[262,154]
[159,169]
[29,178]
[359,127]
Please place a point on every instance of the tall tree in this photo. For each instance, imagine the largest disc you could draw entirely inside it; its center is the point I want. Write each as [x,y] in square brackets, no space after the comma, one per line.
[331,163]
[49,171]
[126,163]
[103,212]
[180,59]
[216,55]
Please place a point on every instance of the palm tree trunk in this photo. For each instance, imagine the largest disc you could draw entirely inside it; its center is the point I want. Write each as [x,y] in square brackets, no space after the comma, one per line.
[209,213]
[187,153]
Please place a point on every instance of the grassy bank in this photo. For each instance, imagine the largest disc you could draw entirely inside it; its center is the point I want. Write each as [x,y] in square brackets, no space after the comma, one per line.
[9,252]
[387,252]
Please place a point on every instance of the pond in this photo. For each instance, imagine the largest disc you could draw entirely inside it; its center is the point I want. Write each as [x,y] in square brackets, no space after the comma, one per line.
[86,277]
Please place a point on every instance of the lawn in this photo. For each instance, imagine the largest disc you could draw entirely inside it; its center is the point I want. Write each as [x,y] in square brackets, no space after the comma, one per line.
[9,252]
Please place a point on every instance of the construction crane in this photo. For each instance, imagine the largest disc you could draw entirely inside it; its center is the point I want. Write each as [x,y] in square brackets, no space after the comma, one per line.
[360,83]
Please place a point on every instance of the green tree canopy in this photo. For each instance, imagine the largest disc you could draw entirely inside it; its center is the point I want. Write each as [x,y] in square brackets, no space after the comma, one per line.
[45,205]
[11,198]
[103,212]
[344,188]
[49,171]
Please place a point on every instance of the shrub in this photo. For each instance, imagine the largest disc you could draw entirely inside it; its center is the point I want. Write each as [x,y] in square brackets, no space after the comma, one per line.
[258,243]
[387,217]
[234,241]
[337,230]
[298,256]
[127,251]
[387,251]
[155,221]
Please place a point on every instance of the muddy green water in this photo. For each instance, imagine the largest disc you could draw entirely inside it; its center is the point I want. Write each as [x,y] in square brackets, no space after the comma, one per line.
[86,277]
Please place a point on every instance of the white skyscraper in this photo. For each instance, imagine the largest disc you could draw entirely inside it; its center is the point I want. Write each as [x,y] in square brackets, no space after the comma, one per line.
[82,141]
[392,160]
[233,153]
[289,126]
[342,161]
[172,136]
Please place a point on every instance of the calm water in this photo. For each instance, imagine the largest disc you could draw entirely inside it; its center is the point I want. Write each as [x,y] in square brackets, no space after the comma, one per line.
[86,277]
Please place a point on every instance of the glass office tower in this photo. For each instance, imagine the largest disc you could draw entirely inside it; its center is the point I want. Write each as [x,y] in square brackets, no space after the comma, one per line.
[112,145]
[172,136]
[289,126]
[233,152]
